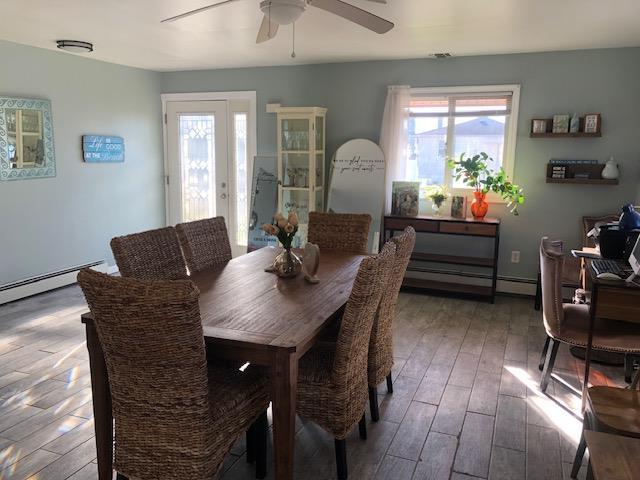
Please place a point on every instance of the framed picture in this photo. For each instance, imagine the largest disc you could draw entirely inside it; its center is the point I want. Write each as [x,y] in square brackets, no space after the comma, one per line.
[459,207]
[592,123]
[561,123]
[405,198]
[539,125]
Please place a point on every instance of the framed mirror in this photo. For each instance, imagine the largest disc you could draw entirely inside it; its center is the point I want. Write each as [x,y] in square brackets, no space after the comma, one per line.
[26,139]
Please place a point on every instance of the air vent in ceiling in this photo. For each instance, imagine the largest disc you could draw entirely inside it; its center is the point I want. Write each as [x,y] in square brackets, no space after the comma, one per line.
[441,55]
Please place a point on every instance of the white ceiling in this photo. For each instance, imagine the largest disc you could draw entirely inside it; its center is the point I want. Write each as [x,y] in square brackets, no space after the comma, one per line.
[129,32]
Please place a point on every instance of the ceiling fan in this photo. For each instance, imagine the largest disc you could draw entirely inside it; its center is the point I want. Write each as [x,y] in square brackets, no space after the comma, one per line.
[284,12]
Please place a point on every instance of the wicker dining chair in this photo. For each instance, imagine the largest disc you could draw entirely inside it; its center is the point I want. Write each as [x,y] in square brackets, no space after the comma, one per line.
[332,379]
[150,255]
[175,416]
[347,232]
[205,243]
[381,344]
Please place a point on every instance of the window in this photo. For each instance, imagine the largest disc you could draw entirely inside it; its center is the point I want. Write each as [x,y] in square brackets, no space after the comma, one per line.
[446,122]
[241,176]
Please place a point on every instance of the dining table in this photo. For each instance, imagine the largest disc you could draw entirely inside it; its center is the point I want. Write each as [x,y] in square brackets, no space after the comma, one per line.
[248,315]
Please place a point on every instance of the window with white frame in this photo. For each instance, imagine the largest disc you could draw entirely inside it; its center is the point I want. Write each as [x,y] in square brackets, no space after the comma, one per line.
[447,122]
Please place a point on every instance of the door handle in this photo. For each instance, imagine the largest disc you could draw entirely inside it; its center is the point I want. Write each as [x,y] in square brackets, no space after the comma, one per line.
[223,195]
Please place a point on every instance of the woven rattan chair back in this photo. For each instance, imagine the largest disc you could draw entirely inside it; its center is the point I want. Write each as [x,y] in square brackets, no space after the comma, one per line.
[150,255]
[347,232]
[381,346]
[352,345]
[205,243]
[151,336]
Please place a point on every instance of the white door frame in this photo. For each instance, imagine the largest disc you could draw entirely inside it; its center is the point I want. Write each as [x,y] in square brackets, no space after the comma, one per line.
[252,130]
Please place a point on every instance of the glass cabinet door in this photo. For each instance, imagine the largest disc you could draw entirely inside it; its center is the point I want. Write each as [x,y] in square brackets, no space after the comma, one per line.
[295,134]
[319,134]
[295,170]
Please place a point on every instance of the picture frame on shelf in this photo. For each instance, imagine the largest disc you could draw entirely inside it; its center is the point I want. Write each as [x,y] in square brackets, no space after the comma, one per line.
[405,198]
[459,206]
[592,123]
[539,125]
[561,123]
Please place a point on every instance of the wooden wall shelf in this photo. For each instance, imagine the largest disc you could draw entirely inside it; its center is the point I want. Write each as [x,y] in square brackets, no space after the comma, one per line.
[584,181]
[565,135]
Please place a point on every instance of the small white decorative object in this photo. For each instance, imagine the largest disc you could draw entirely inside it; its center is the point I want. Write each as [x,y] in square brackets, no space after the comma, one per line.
[311,262]
[610,170]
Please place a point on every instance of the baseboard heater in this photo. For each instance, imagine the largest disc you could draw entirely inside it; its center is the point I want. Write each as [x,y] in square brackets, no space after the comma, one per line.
[43,283]
[510,285]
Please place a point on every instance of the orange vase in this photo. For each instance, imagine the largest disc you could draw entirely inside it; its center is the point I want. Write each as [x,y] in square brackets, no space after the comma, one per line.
[479,206]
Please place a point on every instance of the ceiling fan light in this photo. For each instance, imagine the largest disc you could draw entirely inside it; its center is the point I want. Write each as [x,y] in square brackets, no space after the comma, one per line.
[75,46]
[283,12]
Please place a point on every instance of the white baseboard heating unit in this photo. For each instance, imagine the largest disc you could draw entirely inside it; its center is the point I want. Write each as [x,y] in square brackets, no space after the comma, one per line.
[42,283]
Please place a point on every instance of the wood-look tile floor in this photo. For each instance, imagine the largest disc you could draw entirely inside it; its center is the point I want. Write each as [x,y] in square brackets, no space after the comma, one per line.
[465,403]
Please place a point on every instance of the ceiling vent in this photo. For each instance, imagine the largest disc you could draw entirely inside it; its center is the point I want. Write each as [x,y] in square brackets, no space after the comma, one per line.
[441,55]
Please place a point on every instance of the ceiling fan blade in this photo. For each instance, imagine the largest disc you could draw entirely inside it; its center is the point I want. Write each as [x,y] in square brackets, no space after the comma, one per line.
[354,14]
[197,10]
[267,30]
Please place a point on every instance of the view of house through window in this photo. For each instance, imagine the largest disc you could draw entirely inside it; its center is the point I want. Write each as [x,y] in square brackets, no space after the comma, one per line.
[442,126]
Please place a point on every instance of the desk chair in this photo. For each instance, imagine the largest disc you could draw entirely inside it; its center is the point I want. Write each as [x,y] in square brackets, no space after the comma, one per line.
[569,323]
[571,276]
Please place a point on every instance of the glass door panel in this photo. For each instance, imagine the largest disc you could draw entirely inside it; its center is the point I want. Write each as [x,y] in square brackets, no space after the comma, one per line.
[297,200]
[319,169]
[295,170]
[295,134]
[197,160]
[319,200]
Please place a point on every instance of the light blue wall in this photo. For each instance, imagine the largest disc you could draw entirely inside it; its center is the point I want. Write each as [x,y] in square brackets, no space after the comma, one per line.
[55,223]
[603,81]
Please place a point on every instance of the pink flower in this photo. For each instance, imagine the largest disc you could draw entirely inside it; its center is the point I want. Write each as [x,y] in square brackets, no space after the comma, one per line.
[289,228]
[293,218]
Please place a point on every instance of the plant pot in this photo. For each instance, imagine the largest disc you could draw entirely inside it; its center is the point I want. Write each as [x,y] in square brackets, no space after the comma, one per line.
[287,264]
[479,206]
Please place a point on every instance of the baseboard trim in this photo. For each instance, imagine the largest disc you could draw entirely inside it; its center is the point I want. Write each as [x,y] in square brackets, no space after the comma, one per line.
[44,283]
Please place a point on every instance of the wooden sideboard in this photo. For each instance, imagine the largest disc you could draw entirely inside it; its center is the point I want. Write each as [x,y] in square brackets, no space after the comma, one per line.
[466,227]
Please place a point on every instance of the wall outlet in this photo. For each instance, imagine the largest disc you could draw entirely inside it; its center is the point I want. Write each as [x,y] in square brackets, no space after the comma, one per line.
[515,256]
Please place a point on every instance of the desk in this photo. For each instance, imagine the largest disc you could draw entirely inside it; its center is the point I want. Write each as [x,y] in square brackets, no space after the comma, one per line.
[466,227]
[613,457]
[248,315]
[611,300]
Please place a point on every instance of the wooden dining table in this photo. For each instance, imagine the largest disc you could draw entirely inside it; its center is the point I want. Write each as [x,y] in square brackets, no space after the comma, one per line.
[252,316]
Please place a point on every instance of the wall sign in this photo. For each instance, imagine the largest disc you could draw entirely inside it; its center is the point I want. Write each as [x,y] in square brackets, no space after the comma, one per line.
[101,149]
[357,183]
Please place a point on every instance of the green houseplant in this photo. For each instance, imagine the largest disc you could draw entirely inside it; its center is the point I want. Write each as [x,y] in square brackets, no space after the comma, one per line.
[438,194]
[474,172]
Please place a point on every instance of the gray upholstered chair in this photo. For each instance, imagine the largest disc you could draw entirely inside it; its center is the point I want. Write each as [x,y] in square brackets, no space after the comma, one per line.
[569,323]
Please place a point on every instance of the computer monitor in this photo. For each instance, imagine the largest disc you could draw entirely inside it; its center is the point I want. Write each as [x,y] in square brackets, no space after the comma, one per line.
[634,261]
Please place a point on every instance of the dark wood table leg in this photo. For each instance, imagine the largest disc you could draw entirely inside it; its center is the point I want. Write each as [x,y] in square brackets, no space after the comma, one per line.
[101,405]
[284,383]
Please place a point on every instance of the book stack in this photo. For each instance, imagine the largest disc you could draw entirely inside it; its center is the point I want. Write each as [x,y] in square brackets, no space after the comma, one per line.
[560,168]
[558,171]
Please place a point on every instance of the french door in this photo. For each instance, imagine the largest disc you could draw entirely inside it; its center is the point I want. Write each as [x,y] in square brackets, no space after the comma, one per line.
[208,163]
[197,160]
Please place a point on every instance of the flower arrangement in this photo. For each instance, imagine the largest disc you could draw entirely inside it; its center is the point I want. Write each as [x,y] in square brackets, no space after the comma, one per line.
[283,228]
[474,171]
[437,193]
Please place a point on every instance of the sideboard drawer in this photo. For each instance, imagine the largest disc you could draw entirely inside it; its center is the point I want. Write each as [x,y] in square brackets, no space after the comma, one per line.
[418,224]
[468,228]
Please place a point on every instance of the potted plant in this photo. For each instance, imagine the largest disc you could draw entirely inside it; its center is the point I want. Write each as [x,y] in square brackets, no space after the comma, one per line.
[438,194]
[474,171]
[287,263]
